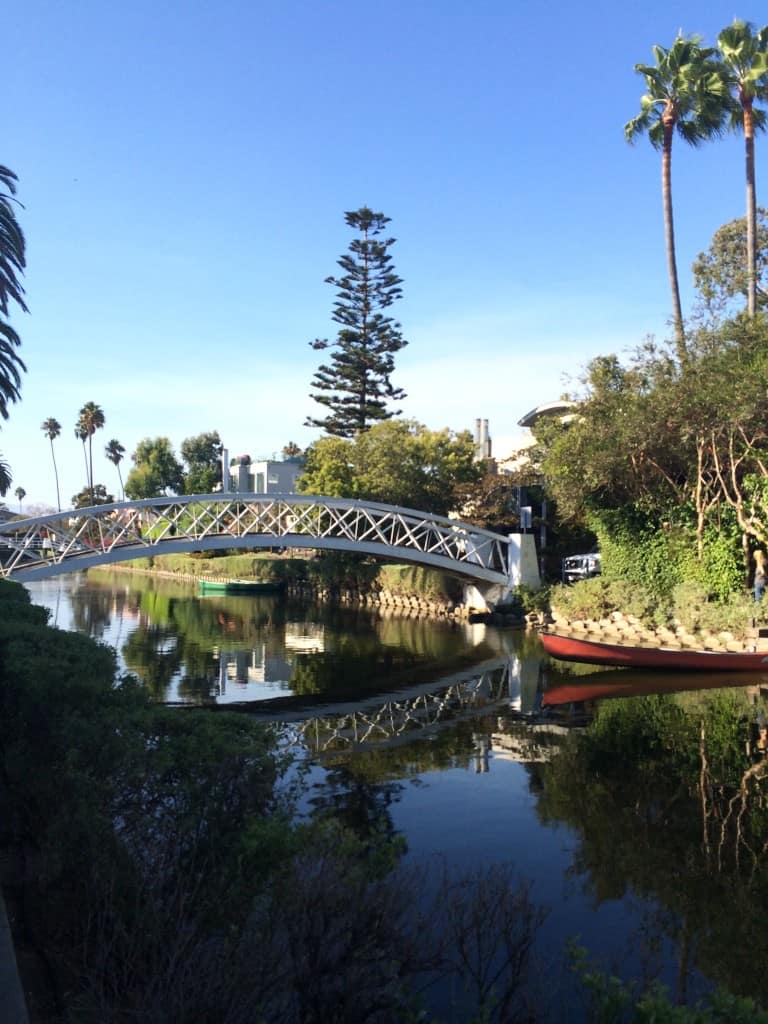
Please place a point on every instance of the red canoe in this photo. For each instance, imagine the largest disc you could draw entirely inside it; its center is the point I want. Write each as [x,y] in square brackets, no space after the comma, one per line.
[596,652]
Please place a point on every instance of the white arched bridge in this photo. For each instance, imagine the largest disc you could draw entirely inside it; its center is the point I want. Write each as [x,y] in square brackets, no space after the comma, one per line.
[32,549]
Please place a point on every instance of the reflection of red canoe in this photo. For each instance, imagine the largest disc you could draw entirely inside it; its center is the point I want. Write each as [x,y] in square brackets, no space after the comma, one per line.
[596,652]
[627,683]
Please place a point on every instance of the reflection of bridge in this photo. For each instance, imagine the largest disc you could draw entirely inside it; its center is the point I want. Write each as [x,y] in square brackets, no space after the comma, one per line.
[68,541]
[492,688]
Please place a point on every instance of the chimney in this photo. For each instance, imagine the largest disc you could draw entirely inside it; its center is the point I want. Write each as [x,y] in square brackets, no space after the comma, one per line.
[486,447]
[226,483]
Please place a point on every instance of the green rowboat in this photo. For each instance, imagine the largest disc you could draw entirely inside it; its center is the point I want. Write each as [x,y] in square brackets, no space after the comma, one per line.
[240,586]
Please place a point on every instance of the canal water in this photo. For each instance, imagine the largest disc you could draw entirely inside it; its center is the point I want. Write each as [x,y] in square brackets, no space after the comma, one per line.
[465,741]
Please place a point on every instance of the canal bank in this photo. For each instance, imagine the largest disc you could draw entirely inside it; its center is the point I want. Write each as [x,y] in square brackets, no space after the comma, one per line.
[392,589]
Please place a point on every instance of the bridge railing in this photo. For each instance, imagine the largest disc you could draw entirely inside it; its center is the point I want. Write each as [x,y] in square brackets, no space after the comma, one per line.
[66,541]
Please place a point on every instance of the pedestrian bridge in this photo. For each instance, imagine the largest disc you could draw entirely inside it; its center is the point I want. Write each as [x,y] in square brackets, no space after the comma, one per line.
[61,542]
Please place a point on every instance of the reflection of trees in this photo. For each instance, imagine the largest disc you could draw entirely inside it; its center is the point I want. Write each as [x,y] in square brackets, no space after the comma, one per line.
[154,655]
[92,610]
[356,803]
[178,632]
[200,679]
[355,663]
[669,805]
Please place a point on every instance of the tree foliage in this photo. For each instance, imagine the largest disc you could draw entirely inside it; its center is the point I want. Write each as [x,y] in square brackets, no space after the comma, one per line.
[399,462]
[355,386]
[156,470]
[721,273]
[202,454]
[96,495]
[680,447]
[291,452]
[12,264]
[5,477]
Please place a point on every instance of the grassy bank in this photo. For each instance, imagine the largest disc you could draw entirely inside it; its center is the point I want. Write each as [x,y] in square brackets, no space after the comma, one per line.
[331,570]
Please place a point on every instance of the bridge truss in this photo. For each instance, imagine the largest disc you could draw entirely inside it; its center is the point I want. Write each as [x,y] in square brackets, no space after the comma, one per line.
[68,541]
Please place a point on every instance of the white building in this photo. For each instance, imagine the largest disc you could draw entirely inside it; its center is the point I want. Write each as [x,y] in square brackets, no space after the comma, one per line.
[266,476]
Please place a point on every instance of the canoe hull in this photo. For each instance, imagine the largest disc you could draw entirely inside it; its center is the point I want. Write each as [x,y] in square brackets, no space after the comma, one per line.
[596,652]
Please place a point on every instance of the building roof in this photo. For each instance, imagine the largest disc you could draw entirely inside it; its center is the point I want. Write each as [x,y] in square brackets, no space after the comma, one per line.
[560,408]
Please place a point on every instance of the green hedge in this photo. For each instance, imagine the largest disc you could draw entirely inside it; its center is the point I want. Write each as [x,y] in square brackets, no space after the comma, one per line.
[660,556]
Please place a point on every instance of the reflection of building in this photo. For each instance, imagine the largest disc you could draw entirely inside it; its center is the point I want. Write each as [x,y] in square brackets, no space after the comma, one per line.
[528,742]
[254,665]
[304,638]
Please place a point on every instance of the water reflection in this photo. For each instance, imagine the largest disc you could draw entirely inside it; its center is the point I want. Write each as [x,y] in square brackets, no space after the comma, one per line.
[239,649]
[645,831]
[231,648]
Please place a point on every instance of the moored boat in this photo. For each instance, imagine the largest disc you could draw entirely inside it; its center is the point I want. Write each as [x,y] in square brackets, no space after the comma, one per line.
[240,586]
[599,652]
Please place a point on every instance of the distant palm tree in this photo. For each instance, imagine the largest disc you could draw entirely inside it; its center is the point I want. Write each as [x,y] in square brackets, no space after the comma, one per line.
[91,419]
[82,435]
[114,452]
[52,428]
[21,495]
[744,54]
[685,90]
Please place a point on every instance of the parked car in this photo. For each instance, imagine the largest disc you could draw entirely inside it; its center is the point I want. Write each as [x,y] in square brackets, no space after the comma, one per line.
[581,567]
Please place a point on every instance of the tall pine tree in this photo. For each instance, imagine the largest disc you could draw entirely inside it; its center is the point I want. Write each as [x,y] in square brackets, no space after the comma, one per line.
[355,385]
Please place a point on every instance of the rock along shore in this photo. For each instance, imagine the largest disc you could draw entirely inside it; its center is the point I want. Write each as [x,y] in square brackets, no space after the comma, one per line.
[628,629]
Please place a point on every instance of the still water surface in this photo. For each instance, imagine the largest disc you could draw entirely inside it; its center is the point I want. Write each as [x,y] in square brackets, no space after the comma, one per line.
[444,734]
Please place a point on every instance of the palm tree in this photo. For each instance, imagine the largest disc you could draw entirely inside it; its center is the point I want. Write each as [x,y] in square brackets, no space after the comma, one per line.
[12,263]
[685,90]
[744,54]
[52,428]
[91,419]
[21,495]
[114,452]
[12,245]
[82,435]
[5,477]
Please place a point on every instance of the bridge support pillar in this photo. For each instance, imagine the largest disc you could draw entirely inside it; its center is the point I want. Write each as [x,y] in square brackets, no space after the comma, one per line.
[522,568]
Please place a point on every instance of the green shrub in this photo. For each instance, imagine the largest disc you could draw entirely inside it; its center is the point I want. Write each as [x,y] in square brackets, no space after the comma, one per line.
[596,598]
[532,599]
[428,583]
[614,1002]
[696,608]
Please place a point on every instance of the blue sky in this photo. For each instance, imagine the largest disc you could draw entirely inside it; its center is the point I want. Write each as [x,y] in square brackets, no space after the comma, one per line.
[185,168]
